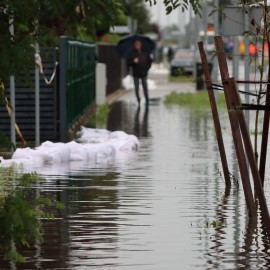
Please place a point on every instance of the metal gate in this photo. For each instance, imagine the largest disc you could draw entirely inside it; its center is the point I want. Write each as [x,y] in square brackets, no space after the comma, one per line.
[25,102]
[77,80]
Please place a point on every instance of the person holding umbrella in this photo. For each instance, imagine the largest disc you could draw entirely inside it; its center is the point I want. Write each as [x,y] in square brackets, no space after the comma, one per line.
[140,61]
[136,49]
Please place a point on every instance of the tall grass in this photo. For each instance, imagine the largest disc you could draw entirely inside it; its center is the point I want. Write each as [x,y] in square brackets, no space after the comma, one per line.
[182,79]
[197,101]
[100,116]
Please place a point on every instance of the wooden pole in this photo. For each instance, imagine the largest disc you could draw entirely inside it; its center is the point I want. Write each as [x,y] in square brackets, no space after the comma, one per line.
[9,111]
[215,115]
[265,130]
[250,155]
[239,148]
[240,153]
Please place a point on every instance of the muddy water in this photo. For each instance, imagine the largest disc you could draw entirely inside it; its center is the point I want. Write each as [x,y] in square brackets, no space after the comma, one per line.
[156,209]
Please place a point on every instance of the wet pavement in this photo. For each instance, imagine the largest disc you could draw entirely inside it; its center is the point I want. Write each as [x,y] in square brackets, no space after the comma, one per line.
[163,207]
[162,88]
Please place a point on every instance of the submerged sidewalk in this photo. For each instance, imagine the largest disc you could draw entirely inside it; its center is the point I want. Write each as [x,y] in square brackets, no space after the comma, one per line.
[160,86]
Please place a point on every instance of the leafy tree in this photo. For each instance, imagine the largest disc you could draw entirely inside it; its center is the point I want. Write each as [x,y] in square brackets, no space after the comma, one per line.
[138,11]
[171,5]
[16,52]
[45,21]
[76,18]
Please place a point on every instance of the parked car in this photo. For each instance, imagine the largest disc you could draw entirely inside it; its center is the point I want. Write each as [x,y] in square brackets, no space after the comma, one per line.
[182,62]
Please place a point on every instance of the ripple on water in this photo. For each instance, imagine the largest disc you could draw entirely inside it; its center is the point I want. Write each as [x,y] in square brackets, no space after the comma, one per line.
[154,210]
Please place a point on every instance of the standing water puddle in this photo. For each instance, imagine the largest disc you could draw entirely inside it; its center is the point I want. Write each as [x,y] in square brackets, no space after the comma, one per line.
[163,207]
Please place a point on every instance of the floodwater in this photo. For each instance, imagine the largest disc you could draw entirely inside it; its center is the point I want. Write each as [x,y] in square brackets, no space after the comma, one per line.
[156,209]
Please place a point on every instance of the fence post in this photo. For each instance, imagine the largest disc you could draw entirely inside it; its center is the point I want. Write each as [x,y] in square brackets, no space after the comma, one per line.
[101,83]
[63,90]
[37,97]
[12,93]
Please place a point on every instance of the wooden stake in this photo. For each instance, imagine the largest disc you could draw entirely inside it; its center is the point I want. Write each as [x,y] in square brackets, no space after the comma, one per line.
[16,126]
[215,115]
[265,130]
[239,148]
[250,155]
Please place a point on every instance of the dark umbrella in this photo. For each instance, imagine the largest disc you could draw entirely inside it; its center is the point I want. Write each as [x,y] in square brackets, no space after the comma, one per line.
[126,45]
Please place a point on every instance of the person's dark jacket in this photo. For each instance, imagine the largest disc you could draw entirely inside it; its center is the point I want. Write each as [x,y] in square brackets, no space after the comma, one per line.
[141,68]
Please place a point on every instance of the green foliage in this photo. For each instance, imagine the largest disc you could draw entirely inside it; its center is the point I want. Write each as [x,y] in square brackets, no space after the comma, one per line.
[100,117]
[216,223]
[137,10]
[20,211]
[113,38]
[171,5]
[76,18]
[121,18]
[105,13]
[45,21]
[16,52]
[182,78]
[5,141]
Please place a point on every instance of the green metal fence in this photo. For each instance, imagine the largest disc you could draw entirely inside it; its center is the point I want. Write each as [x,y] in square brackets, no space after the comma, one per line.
[77,80]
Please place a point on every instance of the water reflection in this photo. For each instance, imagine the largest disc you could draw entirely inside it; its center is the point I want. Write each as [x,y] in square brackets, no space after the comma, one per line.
[216,254]
[242,243]
[141,127]
[92,217]
[132,119]
[199,126]
[150,210]
[86,229]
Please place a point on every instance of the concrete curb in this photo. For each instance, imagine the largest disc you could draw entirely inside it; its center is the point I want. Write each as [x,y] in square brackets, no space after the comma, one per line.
[110,99]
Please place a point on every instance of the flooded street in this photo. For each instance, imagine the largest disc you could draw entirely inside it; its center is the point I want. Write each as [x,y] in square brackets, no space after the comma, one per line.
[109,155]
[164,207]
